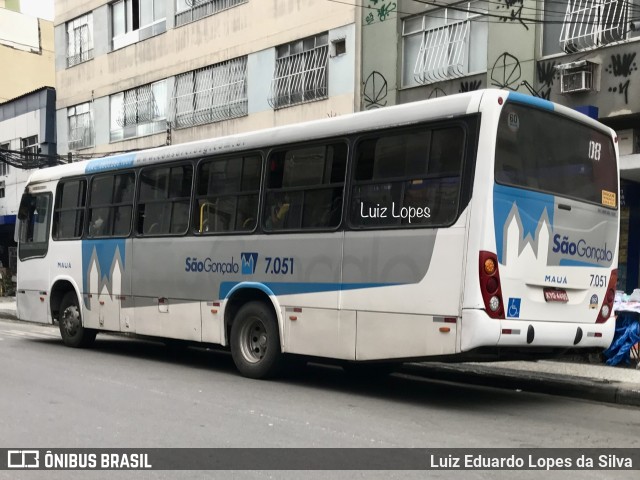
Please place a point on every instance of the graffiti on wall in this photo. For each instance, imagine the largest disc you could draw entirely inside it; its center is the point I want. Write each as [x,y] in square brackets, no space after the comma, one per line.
[379,8]
[514,11]
[506,72]
[470,86]
[622,67]
[375,91]
[547,73]
[437,92]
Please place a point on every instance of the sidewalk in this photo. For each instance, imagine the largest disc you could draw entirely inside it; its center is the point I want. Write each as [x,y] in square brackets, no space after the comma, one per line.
[587,381]
[8,308]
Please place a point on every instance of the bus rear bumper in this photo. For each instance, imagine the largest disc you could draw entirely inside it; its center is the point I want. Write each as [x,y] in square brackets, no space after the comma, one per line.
[477,329]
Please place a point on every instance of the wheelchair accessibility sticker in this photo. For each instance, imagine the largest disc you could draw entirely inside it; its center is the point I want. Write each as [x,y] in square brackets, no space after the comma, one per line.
[513,308]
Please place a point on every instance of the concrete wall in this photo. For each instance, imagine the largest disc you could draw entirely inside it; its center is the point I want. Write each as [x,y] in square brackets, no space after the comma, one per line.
[24,117]
[31,67]
[381,46]
[617,80]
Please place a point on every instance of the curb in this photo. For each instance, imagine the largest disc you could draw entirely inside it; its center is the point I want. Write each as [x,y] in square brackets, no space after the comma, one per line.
[8,314]
[511,379]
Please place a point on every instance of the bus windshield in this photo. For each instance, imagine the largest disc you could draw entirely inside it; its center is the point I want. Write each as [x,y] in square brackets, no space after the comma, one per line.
[543,151]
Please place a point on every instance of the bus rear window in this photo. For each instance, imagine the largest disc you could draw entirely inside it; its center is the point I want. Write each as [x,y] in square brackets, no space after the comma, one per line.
[546,152]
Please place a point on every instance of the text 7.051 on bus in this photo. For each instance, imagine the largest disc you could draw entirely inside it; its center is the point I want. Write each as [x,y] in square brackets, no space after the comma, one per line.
[480,224]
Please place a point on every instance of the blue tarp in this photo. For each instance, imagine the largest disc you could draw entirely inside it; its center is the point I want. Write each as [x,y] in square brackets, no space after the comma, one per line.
[626,336]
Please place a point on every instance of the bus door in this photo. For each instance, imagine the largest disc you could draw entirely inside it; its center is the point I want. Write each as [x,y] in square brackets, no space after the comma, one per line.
[106,249]
[32,234]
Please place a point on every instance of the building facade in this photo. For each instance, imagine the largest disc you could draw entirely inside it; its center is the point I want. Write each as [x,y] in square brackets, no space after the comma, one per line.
[26,46]
[27,106]
[27,124]
[582,54]
[136,74]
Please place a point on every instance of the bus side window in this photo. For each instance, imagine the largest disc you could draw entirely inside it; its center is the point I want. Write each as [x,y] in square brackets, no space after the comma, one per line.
[163,200]
[227,194]
[305,188]
[418,170]
[111,205]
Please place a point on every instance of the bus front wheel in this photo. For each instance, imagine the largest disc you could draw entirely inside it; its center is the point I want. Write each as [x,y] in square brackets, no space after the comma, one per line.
[255,341]
[70,322]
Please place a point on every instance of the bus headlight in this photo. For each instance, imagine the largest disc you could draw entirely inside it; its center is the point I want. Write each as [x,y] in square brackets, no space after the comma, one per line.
[494,303]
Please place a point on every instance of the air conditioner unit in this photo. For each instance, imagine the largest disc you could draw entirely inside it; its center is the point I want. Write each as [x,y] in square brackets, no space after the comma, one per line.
[577,76]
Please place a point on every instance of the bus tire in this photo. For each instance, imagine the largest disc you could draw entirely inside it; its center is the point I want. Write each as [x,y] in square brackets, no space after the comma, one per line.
[255,341]
[70,322]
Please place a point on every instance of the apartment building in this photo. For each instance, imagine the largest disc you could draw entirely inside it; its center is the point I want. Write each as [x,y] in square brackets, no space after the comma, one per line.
[134,74]
[26,50]
[579,53]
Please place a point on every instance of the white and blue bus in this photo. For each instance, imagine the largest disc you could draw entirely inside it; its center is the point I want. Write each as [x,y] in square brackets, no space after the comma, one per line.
[479,225]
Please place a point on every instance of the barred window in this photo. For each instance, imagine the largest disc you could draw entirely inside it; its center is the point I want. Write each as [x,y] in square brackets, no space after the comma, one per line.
[227,194]
[305,188]
[68,216]
[80,125]
[4,167]
[192,10]
[445,44]
[80,39]
[139,111]
[111,205]
[163,201]
[585,25]
[211,94]
[408,179]
[29,147]
[301,72]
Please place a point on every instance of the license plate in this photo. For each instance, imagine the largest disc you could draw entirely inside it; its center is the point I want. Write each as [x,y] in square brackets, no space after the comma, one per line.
[556,295]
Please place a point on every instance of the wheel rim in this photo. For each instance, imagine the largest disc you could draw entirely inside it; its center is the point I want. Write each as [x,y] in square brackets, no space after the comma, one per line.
[71,320]
[253,340]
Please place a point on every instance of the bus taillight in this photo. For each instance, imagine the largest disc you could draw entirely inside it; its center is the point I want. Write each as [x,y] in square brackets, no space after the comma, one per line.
[607,304]
[490,284]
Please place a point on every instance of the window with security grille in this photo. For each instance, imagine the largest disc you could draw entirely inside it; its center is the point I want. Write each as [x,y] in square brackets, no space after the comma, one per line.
[4,167]
[139,111]
[301,72]
[192,10]
[80,40]
[444,44]
[572,26]
[80,126]
[211,94]
[29,147]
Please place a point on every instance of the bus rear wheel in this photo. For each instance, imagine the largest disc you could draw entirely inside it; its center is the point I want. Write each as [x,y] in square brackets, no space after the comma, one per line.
[71,330]
[255,341]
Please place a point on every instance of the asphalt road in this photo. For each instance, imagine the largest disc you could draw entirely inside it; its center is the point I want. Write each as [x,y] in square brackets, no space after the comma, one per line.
[133,394]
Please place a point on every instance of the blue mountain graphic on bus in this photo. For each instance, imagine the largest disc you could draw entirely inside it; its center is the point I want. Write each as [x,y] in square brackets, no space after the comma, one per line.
[249,262]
